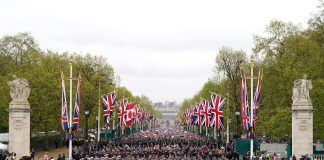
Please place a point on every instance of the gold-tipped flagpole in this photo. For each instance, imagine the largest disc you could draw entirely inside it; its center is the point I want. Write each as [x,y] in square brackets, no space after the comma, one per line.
[99,97]
[70,127]
[252,103]
[70,119]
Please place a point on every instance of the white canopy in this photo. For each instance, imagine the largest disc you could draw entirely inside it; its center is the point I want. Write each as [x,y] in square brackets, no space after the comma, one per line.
[3,146]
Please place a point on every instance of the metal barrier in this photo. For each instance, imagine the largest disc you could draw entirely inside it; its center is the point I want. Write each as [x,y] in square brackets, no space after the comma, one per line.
[318,157]
[39,143]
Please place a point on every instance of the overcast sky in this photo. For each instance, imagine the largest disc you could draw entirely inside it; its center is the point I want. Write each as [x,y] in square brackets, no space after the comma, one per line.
[163,49]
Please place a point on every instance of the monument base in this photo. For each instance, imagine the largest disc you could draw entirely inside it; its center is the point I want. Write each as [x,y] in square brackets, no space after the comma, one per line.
[302,130]
[19,129]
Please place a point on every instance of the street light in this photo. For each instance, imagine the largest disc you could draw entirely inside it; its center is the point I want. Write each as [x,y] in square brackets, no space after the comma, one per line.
[87,113]
[237,114]
[227,130]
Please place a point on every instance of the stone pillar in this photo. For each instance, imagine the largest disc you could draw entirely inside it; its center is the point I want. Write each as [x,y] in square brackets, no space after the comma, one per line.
[302,119]
[19,129]
[19,117]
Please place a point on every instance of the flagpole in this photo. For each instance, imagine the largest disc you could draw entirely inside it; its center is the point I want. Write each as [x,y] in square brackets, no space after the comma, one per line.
[70,127]
[227,131]
[99,115]
[206,129]
[251,117]
[228,120]
[121,119]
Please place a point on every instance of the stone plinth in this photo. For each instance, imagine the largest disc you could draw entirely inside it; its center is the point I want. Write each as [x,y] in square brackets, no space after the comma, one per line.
[302,132]
[19,128]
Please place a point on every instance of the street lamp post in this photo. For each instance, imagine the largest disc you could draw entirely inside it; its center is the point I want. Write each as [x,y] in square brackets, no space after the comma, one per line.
[237,114]
[87,113]
[227,131]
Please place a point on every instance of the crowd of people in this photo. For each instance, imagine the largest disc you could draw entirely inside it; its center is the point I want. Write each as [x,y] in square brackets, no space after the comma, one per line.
[157,144]
[163,143]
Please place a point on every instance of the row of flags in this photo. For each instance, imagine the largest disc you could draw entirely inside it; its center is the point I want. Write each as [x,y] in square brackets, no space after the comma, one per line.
[210,113]
[128,113]
[206,113]
[245,111]
[64,113]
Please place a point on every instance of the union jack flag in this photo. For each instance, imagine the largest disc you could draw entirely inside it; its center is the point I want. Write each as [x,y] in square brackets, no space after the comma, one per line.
[256,101]
[64,114]
[146,116]
[244,105]
[76,115]
[141,114]
[198,115]
[122,111]
[188,117]
[137,114]
[217,111]
[108,102]
[193,115]
[205,112]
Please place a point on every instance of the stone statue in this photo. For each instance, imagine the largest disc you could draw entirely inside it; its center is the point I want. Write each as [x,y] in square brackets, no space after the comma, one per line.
[19,89]
[301,90]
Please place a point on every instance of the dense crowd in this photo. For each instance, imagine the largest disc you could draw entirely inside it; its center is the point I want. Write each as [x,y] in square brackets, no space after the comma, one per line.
[157,144]
[165,143]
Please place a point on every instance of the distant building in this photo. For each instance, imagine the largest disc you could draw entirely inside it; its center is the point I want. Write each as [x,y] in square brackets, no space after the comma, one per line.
[169,110]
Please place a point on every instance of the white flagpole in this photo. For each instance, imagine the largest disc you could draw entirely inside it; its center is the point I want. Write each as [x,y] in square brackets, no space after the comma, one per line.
[206,129]
[99,115]
[227,131]
[228,120]
[251,117]
[70,129]
[122,121]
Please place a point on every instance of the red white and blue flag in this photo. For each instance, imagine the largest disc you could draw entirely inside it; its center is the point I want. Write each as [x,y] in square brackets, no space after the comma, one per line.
[205,113]
[64,114]
[188,116]
[122,111]
[76,115]
[244,105]
[141,114]
[108,102]
[197,112]
[146,116]
[256,101]
[217,103]
[192,114]
[136,114]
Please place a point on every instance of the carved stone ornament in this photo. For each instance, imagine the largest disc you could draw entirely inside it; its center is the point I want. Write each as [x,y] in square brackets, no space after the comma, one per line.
[18,123]
[19,89]
[303,124]
[301,90]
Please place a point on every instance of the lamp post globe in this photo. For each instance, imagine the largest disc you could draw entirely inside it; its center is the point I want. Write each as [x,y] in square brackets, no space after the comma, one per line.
[87,113]
[237,114]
